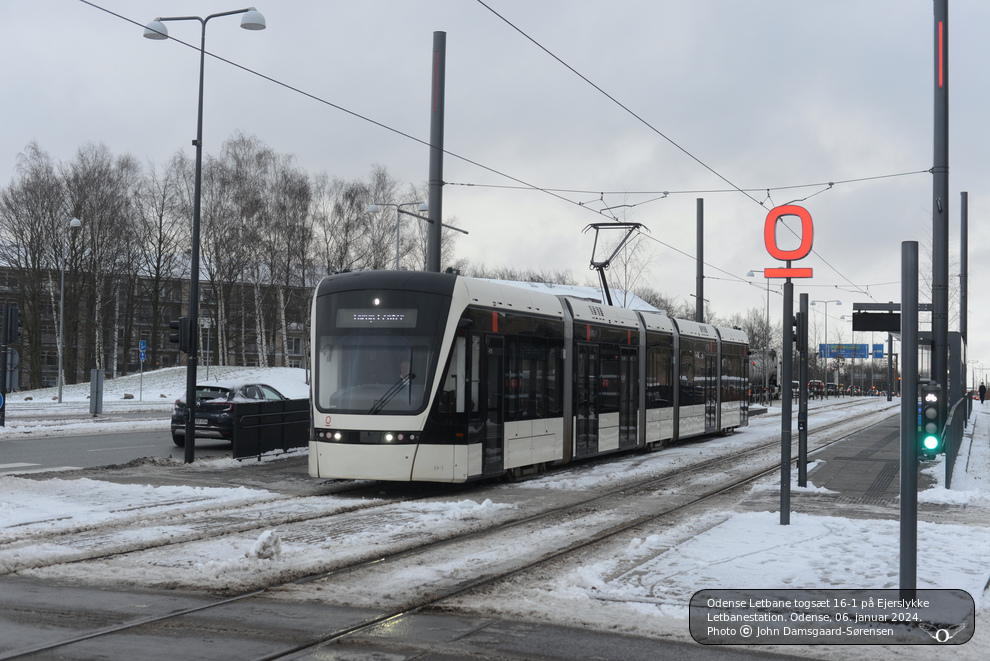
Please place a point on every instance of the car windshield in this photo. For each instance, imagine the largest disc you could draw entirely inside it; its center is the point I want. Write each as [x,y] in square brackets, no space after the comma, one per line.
[204,393]
[377,350]
[257,391]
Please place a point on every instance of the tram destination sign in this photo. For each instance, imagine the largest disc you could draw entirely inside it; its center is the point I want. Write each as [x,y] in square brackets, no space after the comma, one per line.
[376,318]
[886,322]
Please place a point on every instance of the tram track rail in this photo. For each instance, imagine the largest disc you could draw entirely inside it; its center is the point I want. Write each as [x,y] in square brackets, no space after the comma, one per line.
[609,500]
[199,521]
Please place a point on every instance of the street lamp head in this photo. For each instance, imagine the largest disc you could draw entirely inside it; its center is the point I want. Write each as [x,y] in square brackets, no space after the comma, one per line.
[253,20]
[373,208]
[423,207]
[75,222]
[156,30]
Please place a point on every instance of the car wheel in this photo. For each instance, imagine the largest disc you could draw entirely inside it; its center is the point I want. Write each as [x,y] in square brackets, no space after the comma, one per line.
[179,440]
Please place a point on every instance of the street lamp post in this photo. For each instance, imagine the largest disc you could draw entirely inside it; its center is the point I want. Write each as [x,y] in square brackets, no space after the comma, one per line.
[374,208]
[251,20]
[766,341]
[75,222]
[837,302]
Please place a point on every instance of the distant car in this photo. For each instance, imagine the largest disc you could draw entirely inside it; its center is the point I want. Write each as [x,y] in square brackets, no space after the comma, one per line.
[216,404]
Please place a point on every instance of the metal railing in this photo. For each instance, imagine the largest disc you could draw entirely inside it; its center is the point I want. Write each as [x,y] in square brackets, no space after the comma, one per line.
[952,434]
[262,427]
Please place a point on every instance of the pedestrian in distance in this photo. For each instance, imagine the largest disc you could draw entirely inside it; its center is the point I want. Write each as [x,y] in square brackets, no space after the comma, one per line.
[983,392]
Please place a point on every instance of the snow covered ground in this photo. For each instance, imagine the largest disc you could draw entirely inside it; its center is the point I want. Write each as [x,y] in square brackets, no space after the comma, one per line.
[641,585]
[40,413]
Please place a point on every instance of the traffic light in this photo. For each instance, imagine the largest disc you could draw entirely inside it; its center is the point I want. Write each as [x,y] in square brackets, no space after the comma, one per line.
[930,438]
[801,323]
[181,334]
[12,327]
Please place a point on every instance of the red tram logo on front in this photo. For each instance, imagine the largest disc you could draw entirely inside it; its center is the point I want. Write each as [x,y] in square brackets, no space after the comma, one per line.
[770,238]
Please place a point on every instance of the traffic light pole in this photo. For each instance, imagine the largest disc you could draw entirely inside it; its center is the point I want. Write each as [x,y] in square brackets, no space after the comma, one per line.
[3,368]
[802,339]
[184,337]
[10,333]
[909,420]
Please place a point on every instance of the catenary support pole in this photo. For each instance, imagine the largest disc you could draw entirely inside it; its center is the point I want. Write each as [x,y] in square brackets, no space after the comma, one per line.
[435,230]
[964,269]
[699,304]
[940,200]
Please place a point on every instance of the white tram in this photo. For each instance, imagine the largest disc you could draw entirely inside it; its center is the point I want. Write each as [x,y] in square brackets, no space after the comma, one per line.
[442,378]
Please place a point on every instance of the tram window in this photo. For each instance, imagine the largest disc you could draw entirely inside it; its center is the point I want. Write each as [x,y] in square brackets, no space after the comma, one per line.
[692,372]
[362,349]
[526,378]
[512,380]
[609,389]
[659,374]
[733,372]
[452,393]
[555,381]
[475,375]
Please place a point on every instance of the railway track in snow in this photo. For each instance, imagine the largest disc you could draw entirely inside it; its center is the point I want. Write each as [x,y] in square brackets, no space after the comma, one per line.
[135,529]
[433,566]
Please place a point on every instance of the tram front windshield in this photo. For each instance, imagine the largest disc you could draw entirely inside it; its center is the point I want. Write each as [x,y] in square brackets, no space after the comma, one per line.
[377,350]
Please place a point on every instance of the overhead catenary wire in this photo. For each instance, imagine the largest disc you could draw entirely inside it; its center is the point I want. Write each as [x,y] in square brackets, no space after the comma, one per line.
[699,191]
[524,185]
[618,103]
[660,133]
[335,106]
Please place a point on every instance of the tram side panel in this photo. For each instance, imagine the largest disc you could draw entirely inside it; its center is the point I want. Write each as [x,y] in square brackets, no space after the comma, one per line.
[515,362]
[604,345]
[697,379]
[534,428]
[658,378]
[734,384]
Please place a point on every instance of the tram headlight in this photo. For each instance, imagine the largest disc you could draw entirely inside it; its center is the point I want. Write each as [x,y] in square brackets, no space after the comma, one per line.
[397,437]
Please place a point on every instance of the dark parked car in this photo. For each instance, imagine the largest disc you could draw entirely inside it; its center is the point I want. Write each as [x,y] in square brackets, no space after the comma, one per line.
[216,404]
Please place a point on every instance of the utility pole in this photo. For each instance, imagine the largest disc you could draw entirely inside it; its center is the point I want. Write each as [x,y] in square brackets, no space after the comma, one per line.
[435,230]
[699,310]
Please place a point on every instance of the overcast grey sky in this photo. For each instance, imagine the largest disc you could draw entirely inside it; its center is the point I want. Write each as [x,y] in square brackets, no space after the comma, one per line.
[766,93]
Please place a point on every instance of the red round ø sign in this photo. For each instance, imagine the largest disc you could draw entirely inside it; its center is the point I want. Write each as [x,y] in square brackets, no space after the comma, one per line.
[770,239]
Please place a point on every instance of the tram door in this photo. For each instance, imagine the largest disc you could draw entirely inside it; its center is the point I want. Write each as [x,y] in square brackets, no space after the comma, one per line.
[493,407]
[711,394]
[586,400]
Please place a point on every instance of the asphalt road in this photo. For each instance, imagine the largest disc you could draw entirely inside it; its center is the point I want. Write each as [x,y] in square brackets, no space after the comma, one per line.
[26,453]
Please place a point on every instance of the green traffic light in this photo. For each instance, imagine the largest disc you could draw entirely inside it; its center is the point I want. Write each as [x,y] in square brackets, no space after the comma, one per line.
[930,442]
